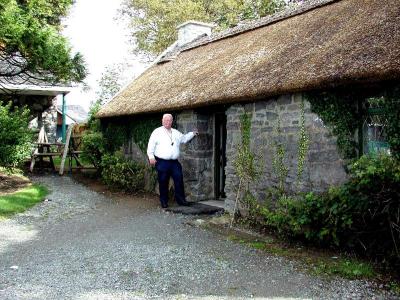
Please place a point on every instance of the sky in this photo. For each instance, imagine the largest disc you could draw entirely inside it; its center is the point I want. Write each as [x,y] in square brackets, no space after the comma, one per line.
[93,29]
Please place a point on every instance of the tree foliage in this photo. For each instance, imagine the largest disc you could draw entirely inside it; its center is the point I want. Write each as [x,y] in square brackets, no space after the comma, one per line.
[15,135]
[31,44]
[153,22]
[110,82]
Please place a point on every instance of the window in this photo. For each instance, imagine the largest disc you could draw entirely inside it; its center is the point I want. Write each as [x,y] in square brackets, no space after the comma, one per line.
[374,125]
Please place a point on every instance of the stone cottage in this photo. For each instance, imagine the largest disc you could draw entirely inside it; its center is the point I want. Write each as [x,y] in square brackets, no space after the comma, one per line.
[265,68]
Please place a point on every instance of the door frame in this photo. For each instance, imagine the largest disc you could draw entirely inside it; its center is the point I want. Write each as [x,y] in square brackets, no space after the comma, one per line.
[219,148]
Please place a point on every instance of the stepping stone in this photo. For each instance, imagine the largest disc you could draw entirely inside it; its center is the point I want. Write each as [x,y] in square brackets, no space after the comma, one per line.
[195,209]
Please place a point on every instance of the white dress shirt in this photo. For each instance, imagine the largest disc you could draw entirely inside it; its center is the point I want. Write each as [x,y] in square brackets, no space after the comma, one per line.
[165,144]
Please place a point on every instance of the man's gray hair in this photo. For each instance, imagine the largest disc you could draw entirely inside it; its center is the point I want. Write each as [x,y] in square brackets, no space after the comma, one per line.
[167,115]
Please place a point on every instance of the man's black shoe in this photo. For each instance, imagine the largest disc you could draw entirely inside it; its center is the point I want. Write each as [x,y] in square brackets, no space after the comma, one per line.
[164,205]
[185,203]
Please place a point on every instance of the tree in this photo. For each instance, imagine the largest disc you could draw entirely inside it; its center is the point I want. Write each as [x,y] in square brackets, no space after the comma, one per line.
[153,22]
[15,135]
[111,82]
[31,44]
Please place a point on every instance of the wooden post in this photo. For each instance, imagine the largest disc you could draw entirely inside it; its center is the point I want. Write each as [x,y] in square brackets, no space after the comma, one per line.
[65,153]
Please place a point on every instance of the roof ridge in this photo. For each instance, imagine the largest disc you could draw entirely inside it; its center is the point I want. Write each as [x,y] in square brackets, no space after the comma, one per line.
[289,12]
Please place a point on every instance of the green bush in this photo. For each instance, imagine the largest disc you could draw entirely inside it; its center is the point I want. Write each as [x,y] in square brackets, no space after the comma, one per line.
[374,194]
[362,214]
[93,147]
[15,135]
[117,172]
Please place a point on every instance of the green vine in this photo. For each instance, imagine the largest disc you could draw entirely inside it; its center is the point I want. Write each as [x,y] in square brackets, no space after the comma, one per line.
[344,112]
[141,130]
[278,161]
[245,162]
[303,144]
[391,106]
[340,112]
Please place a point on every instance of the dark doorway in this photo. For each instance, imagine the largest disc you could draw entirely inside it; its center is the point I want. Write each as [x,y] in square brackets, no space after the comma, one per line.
[220,155]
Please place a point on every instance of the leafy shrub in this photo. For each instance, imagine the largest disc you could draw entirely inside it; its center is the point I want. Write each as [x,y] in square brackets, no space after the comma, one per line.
[15,135]
[93,147]
[117,172]
[362,215]
[374,192]
[317,218]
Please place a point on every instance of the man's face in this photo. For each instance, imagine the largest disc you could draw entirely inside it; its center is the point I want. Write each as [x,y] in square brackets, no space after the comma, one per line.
[167,122]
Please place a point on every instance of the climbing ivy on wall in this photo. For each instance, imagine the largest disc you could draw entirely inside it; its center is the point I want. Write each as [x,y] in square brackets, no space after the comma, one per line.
[281,170]
[141,130]
[338,111]
[344,111]
[115,136]
[392,109]
[245,164]
[303,144]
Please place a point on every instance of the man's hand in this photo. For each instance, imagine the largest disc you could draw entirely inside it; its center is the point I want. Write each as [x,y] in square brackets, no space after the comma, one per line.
[152,161]
[195,132]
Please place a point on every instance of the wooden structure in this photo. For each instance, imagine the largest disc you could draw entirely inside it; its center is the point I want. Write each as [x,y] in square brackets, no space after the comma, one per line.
[43,150]
[70,149]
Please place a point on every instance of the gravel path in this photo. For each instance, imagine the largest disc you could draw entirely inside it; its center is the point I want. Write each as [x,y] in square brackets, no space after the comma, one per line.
[84,245]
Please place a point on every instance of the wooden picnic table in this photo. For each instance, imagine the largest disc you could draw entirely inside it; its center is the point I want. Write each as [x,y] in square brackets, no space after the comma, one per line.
[44,149]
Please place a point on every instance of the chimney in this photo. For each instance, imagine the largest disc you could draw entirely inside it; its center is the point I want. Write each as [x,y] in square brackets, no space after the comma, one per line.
[191,30]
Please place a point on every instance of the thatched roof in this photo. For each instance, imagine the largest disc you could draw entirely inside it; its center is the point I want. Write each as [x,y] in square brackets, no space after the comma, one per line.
[325,44]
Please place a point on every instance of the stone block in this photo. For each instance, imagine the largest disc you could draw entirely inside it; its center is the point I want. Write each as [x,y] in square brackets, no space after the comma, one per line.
[203,117]
[293,107]
[284,100]
[326,156]
[271,105]
[202,126]
[249,108]
[260,106]
[235,109]
[271,116]
[257,123]
[232,126]
[297,98]
[260,115]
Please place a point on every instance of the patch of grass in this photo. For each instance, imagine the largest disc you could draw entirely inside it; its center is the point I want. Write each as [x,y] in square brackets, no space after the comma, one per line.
[395,287]
[318,262]
[57,162]
[21,200]
[347,268]
[257,245]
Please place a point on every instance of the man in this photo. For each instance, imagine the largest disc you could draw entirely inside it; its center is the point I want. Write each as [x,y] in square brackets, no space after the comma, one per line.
[163,153]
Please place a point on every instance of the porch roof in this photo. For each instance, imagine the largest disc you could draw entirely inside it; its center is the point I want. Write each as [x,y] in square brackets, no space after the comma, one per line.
[321,44]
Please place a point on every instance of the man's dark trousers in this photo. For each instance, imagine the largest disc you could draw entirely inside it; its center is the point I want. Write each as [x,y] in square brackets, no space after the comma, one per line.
[165,170]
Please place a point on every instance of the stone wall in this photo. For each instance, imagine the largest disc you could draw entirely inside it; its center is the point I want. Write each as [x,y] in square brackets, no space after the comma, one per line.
[197,155]
[323,167]
[49,117]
